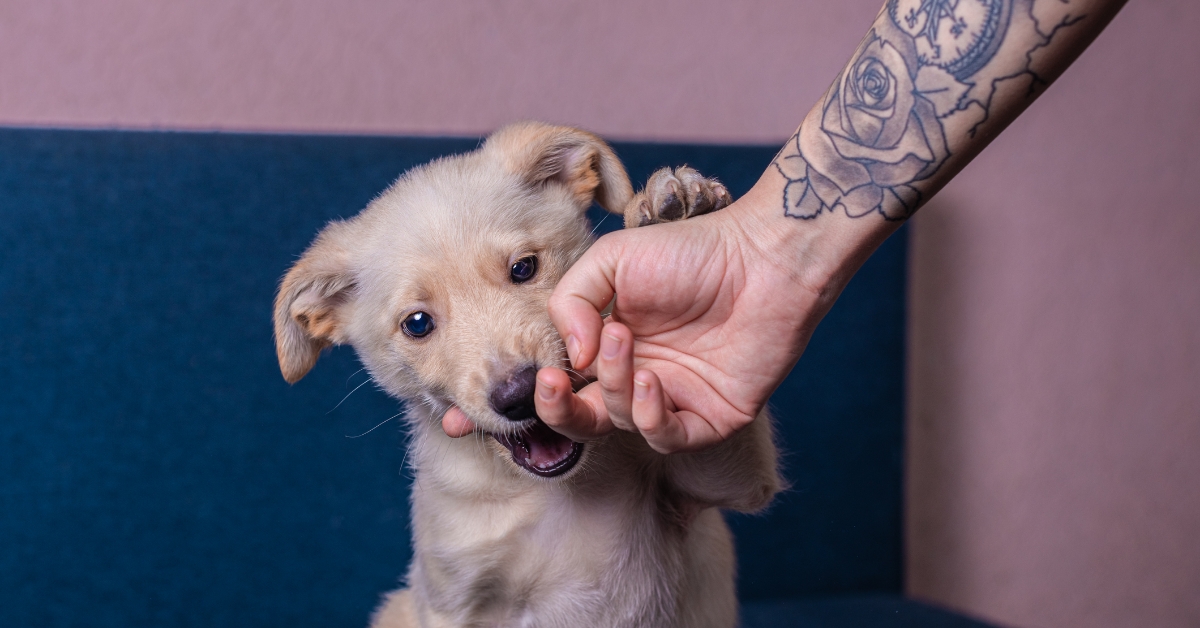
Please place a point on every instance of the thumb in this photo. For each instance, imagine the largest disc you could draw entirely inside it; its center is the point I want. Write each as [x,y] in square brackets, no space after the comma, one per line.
[584,291]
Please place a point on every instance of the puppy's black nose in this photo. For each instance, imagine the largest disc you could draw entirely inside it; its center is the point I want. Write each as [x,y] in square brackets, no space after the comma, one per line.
[513,397]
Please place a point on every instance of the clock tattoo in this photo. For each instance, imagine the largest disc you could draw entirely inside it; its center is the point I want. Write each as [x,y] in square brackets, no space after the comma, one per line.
[960,36]
[925,75]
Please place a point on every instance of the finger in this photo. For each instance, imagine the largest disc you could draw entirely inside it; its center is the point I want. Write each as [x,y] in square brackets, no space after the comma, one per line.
[667,431]
[657,424]
[565,412]
[456,424]
[583,292]
[614,370]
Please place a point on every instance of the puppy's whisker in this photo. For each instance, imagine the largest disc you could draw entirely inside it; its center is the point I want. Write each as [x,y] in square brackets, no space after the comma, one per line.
[404,461]
[339,404]
[355,373]
[597,227]
[376,427]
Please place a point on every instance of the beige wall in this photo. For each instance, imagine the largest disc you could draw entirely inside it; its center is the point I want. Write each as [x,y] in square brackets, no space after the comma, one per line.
[1054,451]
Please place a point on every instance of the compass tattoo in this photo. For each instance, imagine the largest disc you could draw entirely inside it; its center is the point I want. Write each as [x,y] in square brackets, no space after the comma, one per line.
[926,76]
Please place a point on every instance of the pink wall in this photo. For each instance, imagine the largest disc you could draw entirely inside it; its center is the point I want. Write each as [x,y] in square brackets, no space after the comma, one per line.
[1054,450]
[1055,374]
[667,69]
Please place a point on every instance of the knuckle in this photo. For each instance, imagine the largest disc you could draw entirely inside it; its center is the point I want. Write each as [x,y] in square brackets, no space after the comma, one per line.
[650,425]
[732,425]
[611,388]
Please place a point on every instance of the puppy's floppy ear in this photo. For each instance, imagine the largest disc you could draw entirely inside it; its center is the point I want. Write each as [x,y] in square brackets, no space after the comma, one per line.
[544,154]
[312,304]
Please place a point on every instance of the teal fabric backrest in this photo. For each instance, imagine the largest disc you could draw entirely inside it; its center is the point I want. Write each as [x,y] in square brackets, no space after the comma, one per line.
[156,470]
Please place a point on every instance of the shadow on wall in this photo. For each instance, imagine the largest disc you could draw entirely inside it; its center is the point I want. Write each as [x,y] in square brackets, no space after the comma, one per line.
[935,443]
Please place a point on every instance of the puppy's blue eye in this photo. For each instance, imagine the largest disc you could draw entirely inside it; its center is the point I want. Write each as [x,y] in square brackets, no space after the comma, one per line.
[523,269]
[417,324]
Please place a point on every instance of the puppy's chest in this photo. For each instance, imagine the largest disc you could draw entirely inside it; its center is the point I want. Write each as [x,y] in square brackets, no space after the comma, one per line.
[539,555]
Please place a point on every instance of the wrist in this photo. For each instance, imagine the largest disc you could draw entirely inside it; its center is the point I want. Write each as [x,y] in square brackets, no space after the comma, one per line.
[820,254]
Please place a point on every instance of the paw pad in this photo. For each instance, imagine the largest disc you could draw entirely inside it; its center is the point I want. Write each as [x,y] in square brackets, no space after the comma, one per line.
[677,194]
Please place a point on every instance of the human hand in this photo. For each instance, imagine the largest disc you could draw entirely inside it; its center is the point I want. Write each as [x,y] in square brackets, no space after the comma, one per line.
[710,315]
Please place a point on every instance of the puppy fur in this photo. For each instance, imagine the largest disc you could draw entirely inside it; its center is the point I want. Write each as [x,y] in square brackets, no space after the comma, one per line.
[627,537]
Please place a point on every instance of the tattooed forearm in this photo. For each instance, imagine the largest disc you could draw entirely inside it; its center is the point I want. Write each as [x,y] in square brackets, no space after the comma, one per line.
[932,82]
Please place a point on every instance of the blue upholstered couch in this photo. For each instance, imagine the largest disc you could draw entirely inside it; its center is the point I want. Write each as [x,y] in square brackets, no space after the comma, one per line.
[155,470]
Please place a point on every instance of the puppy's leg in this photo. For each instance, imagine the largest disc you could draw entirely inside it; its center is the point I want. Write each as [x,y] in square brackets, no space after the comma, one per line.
[396,611]
[672,195]
[741,473]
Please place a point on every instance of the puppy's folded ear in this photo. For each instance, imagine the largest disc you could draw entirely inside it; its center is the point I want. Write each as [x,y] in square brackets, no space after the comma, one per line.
[312,304]
[544,154]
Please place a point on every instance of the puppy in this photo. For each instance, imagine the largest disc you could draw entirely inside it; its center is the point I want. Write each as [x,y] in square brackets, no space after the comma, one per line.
[441,285]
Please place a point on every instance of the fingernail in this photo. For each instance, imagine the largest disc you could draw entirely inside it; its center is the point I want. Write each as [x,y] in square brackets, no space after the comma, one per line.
[641,390]
[572,348]
[545,391]
[610,346]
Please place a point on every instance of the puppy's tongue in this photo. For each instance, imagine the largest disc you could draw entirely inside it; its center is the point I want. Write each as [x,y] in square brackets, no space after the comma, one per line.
[541,450]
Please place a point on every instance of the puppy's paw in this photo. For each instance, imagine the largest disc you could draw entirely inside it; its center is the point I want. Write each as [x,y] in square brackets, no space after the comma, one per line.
[677,194]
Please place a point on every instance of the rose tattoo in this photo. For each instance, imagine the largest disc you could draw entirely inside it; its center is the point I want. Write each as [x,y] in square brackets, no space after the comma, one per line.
[877,134]
[927,71]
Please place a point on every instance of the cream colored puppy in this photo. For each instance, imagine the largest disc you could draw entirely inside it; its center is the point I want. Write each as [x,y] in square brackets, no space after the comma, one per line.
[440,285]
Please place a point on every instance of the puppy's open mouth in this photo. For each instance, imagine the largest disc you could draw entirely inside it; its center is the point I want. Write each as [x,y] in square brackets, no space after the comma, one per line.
[542,451]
